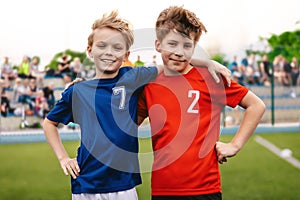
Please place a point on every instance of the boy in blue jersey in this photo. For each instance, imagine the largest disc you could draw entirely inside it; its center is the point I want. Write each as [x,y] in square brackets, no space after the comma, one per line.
[105,107]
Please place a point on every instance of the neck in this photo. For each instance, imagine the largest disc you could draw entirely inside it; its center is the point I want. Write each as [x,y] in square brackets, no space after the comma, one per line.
[105,74]
[177,73]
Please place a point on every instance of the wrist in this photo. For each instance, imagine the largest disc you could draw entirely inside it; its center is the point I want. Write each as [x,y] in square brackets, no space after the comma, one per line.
[236,147]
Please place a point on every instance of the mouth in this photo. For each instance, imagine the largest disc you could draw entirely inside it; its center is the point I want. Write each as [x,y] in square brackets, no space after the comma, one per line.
[177,60]
[108,61]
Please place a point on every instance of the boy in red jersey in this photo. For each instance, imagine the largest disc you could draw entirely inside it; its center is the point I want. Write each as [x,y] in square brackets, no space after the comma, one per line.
[184,105]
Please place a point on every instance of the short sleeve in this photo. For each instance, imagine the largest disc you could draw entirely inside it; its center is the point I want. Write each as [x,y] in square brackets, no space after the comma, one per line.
[62,111]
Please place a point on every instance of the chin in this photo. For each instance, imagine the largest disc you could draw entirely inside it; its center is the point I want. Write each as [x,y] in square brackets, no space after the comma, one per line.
[109,71]
[177,69]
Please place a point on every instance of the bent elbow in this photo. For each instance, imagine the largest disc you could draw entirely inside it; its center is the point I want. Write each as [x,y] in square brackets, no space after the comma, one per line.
[261,107]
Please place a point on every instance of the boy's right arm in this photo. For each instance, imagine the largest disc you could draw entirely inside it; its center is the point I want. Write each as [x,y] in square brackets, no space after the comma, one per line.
[67,164]
[254,110]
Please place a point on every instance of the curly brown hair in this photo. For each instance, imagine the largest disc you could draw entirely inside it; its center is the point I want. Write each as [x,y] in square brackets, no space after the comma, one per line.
[179,19]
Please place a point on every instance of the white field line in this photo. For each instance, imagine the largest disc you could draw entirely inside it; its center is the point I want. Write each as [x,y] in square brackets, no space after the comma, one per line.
[293,161]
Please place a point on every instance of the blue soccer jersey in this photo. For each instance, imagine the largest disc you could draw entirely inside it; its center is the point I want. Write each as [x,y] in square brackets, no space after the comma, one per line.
[106,110]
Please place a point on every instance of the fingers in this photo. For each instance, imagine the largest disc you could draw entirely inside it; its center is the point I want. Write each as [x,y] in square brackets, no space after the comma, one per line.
[213,72]
[71,167]
[65,171]
[77,80]
[221,156]
[215,76]
[228,80]
[222,159]
[221,69]
[227,74]
[73,172]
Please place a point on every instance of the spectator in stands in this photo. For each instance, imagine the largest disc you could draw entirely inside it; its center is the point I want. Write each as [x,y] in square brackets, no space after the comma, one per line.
[49,94]
[235,70]
[5,101]
[41,107]
[64,65]
[26,94]
[248,71]
[253,64]
[154,60]
[19,89]
[294,76]
[32,87]
[265,67]
[287,69]
[138,62]
[233,65]
[67,80]
[76,68]
[24,68]
[7,71]
[278,69]
[35,71]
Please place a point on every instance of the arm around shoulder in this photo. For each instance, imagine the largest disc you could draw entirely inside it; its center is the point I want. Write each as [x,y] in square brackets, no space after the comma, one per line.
[214,68]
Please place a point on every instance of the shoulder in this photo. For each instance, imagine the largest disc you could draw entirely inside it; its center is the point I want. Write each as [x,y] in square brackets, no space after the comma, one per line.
[203,74]
[68,91]
[138,70]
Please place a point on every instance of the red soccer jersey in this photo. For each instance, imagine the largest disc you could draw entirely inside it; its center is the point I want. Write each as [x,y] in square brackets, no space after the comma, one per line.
[184,113]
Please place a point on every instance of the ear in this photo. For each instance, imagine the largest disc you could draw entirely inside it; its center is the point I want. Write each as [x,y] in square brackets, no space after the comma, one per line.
[126,56]
[89,51]
[158,45]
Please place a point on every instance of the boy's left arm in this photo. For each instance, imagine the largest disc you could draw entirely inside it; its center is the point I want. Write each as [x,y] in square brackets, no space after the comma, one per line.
[213,67]
[254,110]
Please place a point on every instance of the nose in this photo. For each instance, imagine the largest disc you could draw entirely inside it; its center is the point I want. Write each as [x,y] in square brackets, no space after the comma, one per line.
[109,50]
[178,51]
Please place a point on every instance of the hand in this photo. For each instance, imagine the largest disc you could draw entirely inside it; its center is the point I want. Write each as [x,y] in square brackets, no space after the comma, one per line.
[224,151]
[77,80]
[70,166]
[215,67]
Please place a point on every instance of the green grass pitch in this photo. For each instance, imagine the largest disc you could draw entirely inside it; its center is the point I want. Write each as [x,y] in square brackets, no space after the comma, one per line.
[31,171]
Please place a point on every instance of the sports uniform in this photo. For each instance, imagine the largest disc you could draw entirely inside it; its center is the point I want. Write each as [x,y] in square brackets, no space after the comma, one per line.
[184,113]
[106,111]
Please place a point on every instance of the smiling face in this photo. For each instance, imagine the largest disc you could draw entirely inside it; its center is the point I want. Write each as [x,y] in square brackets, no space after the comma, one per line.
[176,52]
[108,51]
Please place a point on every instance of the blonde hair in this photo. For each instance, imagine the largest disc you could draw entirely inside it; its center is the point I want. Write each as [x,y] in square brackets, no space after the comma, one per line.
[114,22]
[181,20]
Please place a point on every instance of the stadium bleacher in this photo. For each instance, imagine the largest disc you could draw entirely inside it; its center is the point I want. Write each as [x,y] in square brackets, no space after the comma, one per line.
[287,109]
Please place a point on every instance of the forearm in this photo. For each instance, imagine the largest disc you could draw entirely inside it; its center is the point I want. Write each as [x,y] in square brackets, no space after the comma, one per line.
[201,62]
[54,140]
[160,69]
[251,119]
[214,69]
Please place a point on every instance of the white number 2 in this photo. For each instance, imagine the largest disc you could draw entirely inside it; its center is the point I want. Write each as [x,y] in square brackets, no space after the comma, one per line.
[120,90]
[196,95]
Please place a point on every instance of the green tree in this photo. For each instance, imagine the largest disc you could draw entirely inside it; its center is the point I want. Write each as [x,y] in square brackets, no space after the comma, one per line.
[55,60]
[286,44]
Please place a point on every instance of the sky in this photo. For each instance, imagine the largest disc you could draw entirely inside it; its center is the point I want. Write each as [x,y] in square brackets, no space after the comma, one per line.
[44,28]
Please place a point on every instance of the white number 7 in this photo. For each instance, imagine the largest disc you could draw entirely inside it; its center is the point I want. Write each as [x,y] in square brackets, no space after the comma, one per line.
[196,93]
[120,90]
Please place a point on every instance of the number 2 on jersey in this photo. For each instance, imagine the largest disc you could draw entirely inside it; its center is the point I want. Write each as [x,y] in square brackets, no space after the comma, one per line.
[196,95]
